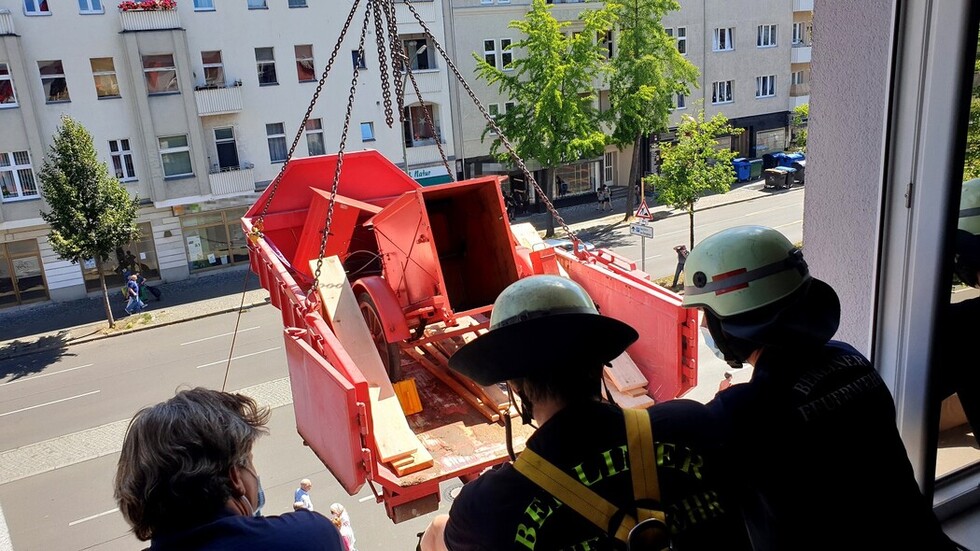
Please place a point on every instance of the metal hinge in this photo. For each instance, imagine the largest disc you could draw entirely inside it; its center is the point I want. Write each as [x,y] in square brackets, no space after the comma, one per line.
[908,195]
[362,419]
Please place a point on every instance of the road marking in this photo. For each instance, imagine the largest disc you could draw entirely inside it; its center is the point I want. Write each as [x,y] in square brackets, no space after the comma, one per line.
[218,336]
[366,498]
[44,375]
[763,211]
[654,256]
[789,224]
[49,403]
[240,357]
[93,517]
[5,544]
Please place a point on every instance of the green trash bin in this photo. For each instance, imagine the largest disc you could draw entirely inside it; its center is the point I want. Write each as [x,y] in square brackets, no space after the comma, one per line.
[755,169]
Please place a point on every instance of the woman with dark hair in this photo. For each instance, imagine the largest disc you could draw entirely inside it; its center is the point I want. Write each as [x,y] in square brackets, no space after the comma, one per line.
[185,479]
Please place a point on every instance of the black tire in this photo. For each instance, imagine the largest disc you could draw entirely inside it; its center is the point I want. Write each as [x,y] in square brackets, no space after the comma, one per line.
[391,355]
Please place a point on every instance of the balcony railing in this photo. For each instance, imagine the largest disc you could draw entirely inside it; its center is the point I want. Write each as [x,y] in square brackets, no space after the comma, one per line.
[149,20]
[800,53]
[425,154]
[426,11]
[231,181]
[429,82]
[797,90]
[6,22]
[219,101]
[802,5]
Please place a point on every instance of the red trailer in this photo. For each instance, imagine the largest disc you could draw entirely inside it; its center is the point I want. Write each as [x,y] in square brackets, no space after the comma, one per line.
[425,265]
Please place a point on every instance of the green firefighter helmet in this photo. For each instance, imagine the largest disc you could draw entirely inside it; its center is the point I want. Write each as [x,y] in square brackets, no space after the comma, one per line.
[969,219]
[742,269]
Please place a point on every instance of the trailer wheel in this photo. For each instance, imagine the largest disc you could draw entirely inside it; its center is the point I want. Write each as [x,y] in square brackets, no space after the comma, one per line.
[390,354]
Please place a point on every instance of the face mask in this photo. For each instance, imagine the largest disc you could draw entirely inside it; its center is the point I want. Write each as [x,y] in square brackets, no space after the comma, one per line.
[257,512]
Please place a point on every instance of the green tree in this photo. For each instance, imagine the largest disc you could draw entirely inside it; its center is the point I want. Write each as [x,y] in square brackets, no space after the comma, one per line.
[696,164]
[647,73]
[551,82]
[91,212]
[801,114]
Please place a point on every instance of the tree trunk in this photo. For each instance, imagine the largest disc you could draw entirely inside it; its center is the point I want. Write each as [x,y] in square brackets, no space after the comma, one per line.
[105,293]
[632,198]
[690,214]
[549,190]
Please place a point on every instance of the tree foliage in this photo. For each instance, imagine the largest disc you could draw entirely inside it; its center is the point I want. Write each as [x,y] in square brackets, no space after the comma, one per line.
[554,119]
[91,213]
[801,114]
[695,165]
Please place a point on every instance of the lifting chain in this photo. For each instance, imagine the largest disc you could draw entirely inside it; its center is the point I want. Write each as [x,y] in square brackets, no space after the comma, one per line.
[379,36]
[428,120]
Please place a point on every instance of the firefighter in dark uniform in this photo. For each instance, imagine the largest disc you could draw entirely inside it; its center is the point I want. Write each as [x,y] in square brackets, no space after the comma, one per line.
[582,436]
[811,437]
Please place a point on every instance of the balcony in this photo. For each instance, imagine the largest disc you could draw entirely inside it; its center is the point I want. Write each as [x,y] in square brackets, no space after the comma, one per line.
[426,11]
[6,22]
[801,52]
[219,100]
[149,20]
[231,181]
[802,5]
[797,90]
[430,81]
[426,154]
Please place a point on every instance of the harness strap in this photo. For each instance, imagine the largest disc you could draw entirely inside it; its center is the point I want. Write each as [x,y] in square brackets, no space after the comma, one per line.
[589,504]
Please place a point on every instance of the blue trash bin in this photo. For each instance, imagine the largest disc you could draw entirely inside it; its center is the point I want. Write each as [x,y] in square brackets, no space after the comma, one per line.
[742,169]
[789,158]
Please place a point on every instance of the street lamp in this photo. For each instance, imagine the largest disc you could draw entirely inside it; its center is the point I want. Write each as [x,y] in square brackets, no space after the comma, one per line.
[408,67]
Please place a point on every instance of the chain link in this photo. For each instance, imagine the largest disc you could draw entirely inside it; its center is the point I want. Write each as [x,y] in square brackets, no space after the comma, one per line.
[428,120]
[379,38]
[398,59]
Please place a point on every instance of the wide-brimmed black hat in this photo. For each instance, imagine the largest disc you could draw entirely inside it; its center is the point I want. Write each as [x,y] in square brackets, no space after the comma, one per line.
[811,315]
[541,324]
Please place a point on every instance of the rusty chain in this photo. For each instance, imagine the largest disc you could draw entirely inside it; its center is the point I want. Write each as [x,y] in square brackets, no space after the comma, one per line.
[428,120]
[379,37]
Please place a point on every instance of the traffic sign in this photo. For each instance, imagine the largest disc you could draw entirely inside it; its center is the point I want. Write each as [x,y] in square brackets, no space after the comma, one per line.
[643,211]
[641,229]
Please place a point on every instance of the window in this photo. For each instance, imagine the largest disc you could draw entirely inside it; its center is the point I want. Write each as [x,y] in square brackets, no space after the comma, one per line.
[227,149]
[421,125]
[122,160]
[367,131]
[17,176]
[357,59]
[8,98]
[724,39]
[798,32]
[493,110]
[766,36]
[765,87]
[420,53]
[490,52]
[138,255]
[721,92]
[214,239]
[21,276]
[508,106]
[680,37]
[160,73]
[276,133]
[176,156]
[609,167]
[681,102]
[797,77]
[203,5]
[214,69]
[297,3]
[507,56]
[257,5]
[90,6]
[36,7]
[265,62]
[53,81]
[606,40]
[314,137]
[304,63]
[104,73]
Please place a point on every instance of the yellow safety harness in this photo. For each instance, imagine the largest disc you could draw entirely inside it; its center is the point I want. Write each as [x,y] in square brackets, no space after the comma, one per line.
[646,489]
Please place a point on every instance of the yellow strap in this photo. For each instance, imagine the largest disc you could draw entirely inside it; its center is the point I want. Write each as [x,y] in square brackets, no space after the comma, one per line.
[643,460]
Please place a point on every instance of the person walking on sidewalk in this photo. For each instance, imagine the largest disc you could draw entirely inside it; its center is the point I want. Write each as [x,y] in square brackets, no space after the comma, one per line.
[135,304]
[682,253]
[302,495]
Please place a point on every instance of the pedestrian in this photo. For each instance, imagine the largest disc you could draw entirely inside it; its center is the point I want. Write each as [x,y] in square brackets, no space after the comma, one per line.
[562,187]
[302,494]
[186,480]
[135,304]
[342,521]
[682,254]
[601,197]
[146,289]
[813,430]
[726,382]
[581,438]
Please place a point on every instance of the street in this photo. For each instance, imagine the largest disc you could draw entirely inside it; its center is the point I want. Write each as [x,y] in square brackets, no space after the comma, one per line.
[61,425]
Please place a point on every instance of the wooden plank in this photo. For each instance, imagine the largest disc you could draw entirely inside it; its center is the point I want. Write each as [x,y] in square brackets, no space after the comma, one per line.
[491,395]
[624,374]
[624,400]
[442,373]
[392,435]
[408,396]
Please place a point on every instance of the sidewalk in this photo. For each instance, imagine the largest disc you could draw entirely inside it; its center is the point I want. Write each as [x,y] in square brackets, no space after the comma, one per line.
[34,328]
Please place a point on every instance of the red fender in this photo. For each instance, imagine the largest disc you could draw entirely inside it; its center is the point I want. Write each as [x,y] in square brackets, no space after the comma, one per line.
[392,317]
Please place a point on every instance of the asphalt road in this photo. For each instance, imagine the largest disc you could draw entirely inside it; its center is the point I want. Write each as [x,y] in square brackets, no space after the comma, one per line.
[60,428]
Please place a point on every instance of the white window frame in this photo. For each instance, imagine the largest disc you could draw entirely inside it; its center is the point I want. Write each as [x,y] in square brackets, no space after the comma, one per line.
[5,76]
[313,128]
[765,86]
[182,149]
[51,76]
[9,165]
[92,7]
[304,59]
[204,5]
[797,77]
[259,63]
[609,167]
[276,134]
[506,55]
[724,39]
[257,5]
[765,36]
[220,66]
[412,44]
[605,38]
[172,68]
[680,102]
[682,40]
[722,89]
[105,74]
[34,7]
[490,56]
[369,135]
[125,172]
[493,109]
[799,28]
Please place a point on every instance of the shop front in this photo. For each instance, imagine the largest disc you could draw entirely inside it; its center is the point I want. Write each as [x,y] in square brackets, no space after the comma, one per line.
[213,239]
[21,278]
[430,176]
[136,256]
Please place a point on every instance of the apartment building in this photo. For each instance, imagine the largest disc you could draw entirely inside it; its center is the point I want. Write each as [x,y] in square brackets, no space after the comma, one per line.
[753,57]
[194,109]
